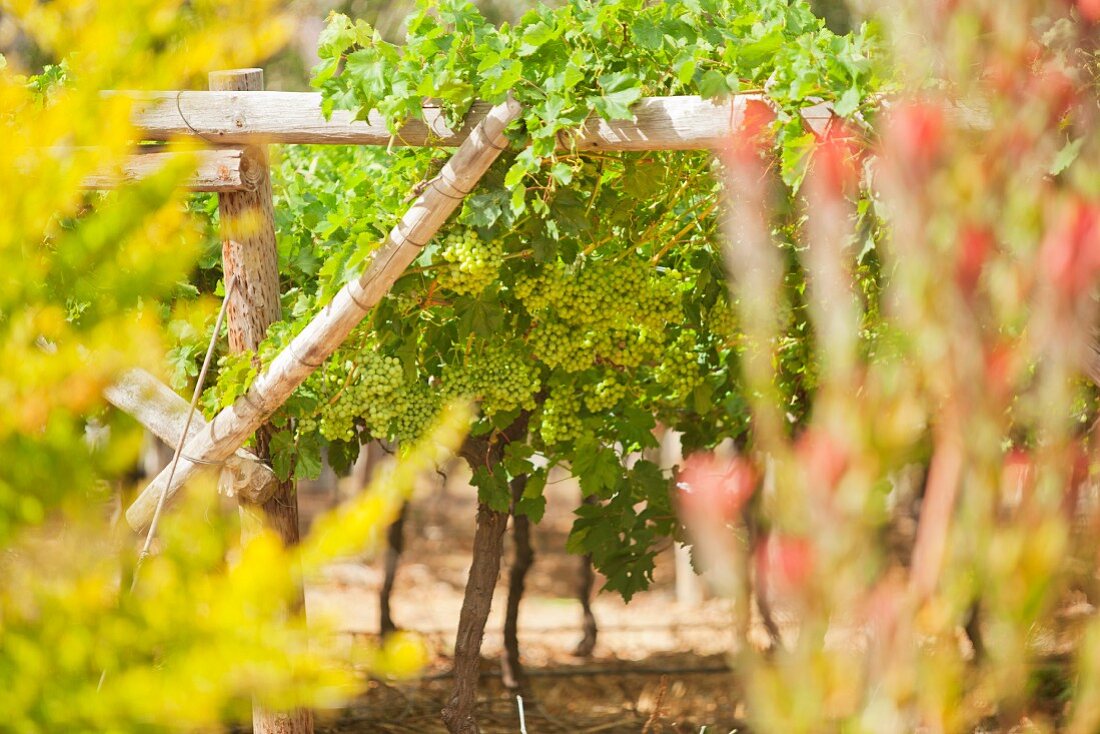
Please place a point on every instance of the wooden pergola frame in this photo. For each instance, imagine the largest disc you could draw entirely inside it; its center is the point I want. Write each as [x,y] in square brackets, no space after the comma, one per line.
[238,120]
[254,118]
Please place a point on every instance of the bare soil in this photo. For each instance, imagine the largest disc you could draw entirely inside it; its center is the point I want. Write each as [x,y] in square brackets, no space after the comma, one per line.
[659,665]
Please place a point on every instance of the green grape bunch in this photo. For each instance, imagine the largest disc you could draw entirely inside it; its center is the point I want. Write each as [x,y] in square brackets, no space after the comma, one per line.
[600,311]
[369,393]
[471,264]
[501,378]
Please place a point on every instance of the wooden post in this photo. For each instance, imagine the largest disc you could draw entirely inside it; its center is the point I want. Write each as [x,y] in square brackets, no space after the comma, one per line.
[250,256]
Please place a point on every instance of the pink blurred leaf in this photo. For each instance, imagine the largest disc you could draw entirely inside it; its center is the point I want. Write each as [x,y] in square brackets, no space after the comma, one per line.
[715,487]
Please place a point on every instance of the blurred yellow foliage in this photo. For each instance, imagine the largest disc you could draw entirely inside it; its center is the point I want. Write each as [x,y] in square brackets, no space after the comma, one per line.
[80,299]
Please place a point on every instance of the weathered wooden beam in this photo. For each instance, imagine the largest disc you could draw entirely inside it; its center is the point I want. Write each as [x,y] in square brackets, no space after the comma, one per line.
[220,169]
[662,123]
[164,413]
[321,337]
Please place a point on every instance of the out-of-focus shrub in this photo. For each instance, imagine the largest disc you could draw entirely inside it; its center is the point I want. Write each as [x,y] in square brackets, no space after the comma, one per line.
[951,377]
[206,629]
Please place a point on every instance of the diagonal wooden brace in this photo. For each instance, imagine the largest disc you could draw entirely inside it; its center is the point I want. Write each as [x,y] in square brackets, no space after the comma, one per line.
[322,336]
[164,413]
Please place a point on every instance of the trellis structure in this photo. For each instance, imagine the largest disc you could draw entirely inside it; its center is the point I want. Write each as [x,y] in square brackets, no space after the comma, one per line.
[240,120]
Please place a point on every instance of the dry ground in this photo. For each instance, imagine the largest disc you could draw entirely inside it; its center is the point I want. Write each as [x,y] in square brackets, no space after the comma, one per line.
[658,664]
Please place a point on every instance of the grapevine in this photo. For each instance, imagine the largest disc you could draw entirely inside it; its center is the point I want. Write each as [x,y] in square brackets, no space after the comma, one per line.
[581,293]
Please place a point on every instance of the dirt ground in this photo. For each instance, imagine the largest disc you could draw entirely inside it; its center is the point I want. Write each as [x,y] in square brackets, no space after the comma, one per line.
[658,664]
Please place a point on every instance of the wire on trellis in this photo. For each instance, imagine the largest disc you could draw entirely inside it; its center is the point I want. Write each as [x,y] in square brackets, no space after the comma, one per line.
[200,135]
[199,384]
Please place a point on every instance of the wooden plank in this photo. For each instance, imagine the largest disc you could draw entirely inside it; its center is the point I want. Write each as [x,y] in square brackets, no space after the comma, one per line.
[662,123]
[220,169]
[164,413]
[321,337]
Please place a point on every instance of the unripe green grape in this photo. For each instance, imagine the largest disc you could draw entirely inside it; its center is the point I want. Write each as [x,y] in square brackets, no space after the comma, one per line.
[472,264]
[558,421]
[499,377]
[604,395]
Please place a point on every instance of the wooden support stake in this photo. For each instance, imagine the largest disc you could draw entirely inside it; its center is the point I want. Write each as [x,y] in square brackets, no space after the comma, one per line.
[250,257]
[321,337]
[164,414]
[523,558]
[216,169]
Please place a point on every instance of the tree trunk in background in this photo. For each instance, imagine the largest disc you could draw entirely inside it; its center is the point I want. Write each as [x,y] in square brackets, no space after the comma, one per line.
[511,668]
[250,259]
[395,546]
[587,578]
[837,14]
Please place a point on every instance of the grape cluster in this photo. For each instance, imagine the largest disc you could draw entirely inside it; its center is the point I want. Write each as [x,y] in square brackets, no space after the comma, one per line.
[369,390]
[415,408]
[721,319]
[500,377]
[604,395]
[559,345]
[559,420]
[611,321]
[679,371]
[613,312]
[471,263]
[627,348]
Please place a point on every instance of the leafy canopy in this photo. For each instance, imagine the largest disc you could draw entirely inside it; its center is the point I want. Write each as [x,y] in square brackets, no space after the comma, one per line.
[579,292]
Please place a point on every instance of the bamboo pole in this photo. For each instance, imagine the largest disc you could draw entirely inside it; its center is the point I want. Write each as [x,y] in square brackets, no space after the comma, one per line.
[661,123]
[321,337]
[164,413]
[221,169]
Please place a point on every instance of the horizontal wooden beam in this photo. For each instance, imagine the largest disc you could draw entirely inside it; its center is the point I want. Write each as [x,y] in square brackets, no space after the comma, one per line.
[222,169]
[164,414]
[661,123]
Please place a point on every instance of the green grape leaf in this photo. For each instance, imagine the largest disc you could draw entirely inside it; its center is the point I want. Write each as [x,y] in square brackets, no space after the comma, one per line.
[646,34]
[1066,156]
[533,502]
[492,487]
[849,102]
[598,468]
[308,461]
[281,448]
[620,91]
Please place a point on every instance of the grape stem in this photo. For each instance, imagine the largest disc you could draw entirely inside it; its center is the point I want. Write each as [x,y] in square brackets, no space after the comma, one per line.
[679,235]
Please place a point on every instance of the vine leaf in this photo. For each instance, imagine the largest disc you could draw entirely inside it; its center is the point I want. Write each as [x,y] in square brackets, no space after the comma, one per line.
[597,467]
[620,91]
